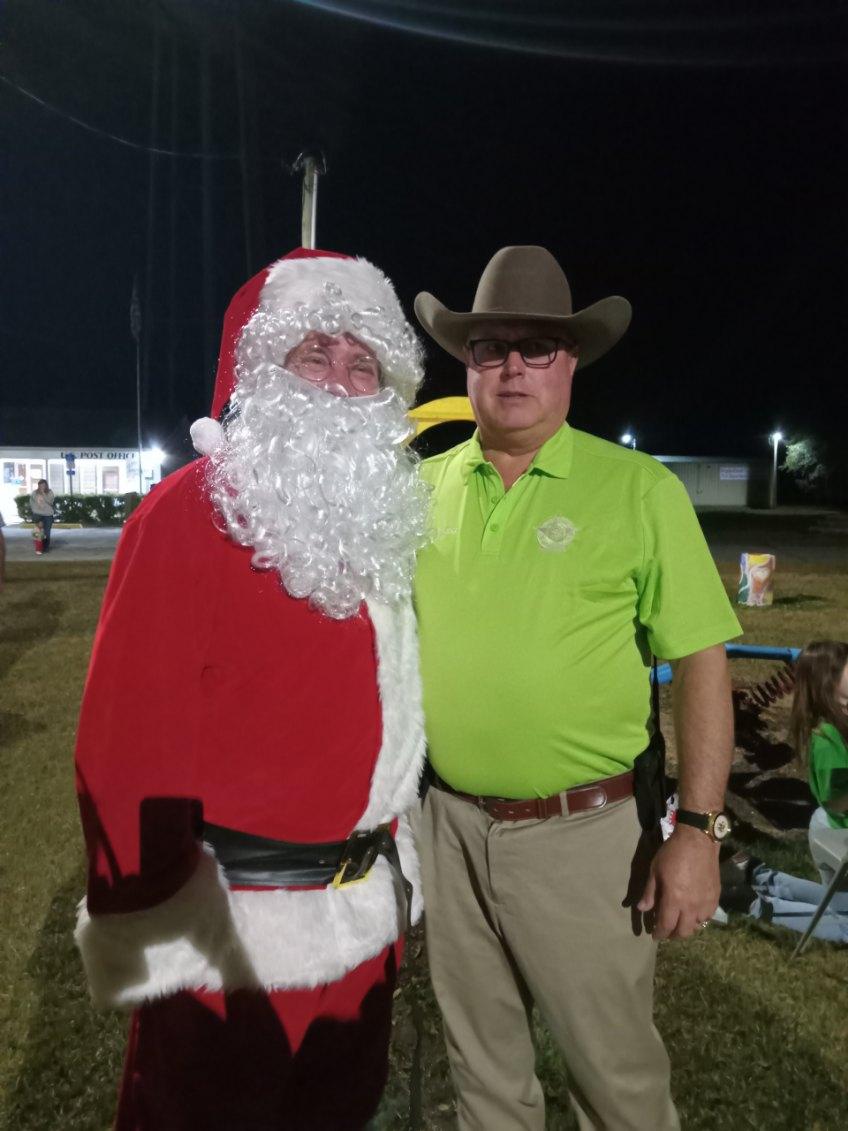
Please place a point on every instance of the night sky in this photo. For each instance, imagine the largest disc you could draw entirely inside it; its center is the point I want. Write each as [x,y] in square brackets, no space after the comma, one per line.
[690,156]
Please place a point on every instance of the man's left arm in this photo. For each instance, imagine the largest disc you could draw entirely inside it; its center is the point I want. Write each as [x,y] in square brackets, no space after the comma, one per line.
[683,887]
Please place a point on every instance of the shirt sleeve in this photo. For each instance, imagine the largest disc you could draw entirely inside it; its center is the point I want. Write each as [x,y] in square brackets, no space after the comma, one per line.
[829,762]
[136,754]
[682,602]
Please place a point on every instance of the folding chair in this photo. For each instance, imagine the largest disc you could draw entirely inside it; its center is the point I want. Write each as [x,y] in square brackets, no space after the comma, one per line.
[831,847]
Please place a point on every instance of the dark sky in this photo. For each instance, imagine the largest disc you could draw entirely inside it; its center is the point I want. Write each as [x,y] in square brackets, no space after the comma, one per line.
[691,156]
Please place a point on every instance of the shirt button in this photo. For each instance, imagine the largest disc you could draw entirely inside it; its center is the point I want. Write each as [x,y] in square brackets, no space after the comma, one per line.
[494,526]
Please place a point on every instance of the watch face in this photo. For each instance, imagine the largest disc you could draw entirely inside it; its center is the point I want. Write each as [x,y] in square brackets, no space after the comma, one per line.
[721,826]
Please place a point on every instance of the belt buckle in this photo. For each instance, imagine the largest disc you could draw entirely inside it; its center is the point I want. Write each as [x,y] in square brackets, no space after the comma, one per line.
[358,856]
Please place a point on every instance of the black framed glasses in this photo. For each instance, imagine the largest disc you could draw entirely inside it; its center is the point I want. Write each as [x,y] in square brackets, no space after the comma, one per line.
[538,353]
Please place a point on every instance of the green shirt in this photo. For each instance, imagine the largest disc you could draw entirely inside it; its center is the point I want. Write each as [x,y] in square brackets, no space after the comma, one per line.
[539,607]
[829,770]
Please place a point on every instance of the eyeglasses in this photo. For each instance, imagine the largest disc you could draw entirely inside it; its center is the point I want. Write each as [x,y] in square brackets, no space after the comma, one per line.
[538,353]
[317,365]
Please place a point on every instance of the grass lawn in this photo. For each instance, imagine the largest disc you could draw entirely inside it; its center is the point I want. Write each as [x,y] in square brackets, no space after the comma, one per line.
[756,1041]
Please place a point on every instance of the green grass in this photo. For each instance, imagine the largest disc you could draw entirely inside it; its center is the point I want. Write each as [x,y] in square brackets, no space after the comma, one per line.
[756,1041]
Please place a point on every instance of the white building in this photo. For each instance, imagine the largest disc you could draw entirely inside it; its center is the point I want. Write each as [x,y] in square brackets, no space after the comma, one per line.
[97,471]
[717,481]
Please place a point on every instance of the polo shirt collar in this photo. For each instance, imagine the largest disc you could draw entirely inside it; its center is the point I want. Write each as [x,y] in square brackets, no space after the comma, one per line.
[553,458]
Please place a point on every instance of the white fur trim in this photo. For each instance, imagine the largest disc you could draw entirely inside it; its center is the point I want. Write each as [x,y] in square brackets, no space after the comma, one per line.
[293,281]
[207,435]
[207,937]
[363,303]
[394,784]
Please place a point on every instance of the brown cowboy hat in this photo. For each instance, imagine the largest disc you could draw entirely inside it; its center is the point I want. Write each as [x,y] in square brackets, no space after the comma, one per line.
[527,284]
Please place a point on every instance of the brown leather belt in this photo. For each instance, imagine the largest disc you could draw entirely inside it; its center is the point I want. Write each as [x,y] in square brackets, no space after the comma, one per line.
[593,795]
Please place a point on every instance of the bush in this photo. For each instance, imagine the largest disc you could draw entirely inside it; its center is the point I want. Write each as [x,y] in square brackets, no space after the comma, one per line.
[131,501]
[88,510]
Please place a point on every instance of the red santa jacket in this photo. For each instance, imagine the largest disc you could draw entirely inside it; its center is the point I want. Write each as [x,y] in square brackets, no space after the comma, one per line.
[215,696]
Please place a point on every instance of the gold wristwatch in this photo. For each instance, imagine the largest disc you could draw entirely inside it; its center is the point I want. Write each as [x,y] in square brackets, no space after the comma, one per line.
[716,824]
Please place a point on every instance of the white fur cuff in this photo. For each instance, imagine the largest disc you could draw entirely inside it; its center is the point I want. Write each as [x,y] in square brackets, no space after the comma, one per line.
[208,937]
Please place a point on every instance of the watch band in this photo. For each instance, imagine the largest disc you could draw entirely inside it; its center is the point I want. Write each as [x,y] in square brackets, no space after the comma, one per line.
[700,821]
[715,825]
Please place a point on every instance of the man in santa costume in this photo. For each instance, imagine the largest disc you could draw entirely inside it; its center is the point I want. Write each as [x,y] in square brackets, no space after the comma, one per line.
[251,732]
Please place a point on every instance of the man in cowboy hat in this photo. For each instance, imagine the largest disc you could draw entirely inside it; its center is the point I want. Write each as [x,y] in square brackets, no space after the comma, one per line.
[559,564]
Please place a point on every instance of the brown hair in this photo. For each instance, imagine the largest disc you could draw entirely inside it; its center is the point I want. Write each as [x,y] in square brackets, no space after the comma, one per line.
[818,671]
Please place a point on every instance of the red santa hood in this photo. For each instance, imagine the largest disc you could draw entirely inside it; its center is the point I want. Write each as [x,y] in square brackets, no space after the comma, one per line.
[309,289]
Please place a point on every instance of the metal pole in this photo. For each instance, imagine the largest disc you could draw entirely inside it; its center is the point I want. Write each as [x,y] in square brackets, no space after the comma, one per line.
[773,479]
[135,330]
[138,410]
[149,292]
[313,165]
[207,230]
[309,203]
[243,163]
[172,232]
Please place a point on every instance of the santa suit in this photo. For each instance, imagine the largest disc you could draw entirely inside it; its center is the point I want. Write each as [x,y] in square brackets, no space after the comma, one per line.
[215,697]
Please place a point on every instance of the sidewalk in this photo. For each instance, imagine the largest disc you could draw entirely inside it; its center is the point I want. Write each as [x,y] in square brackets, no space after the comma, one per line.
[90,543]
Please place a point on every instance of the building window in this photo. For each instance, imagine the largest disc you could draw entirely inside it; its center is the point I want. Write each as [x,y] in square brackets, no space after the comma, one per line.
[87,476]
[36,473]
[56,476]
[111,479]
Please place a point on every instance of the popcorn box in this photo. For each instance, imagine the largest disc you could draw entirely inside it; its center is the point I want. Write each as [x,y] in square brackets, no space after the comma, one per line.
[756,580]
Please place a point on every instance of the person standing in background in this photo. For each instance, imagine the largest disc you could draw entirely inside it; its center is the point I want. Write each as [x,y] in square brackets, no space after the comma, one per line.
[41,501]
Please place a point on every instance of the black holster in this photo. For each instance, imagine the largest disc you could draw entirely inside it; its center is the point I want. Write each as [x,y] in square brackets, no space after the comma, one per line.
[650,784]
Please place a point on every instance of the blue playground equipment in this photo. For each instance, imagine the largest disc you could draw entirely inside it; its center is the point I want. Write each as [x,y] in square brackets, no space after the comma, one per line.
[754,651]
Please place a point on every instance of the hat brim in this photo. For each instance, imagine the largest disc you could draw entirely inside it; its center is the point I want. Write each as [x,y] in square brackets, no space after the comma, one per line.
[595,329]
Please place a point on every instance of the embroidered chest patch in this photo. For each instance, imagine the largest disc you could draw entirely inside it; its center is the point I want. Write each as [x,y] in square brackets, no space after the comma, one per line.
[556,534]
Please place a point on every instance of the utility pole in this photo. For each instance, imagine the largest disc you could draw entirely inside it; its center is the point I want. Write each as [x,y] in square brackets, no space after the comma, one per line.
[135,330]
[313,164]
[243,161]
[149,292]
[208,264]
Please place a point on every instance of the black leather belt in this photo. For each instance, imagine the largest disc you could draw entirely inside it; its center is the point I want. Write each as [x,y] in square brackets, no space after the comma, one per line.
[258,861]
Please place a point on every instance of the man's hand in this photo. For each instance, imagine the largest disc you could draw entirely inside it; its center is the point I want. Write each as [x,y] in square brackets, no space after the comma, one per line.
[683,885]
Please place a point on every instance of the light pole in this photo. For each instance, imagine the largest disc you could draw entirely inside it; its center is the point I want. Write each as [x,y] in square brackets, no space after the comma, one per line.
[775,439]
[153,460]
[135,330]
[629,439]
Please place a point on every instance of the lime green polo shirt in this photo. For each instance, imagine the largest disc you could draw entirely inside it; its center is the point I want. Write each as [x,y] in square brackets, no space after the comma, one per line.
[539,607]
[828,756]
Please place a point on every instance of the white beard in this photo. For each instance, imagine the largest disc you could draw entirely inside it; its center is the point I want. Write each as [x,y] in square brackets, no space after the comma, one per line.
[323,488]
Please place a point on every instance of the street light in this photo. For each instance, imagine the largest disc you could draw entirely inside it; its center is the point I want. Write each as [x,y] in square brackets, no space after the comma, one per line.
[152,460]
[775,438]
[629,439]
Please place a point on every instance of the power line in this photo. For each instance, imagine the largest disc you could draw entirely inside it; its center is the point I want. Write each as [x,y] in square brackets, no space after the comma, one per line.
[197,155]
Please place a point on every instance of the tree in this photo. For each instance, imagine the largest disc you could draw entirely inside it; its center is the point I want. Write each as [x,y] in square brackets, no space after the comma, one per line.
[807,459]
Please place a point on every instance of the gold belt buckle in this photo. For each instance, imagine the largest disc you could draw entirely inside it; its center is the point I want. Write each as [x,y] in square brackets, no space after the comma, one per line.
[360,852]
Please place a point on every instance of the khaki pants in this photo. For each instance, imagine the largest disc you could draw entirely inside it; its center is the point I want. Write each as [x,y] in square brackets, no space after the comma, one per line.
[531,911]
